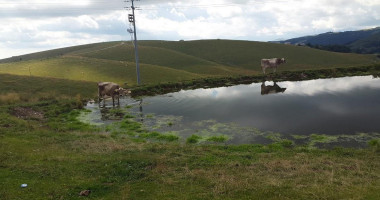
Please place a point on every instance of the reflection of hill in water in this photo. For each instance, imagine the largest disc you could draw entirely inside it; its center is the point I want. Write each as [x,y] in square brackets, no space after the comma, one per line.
[330,106]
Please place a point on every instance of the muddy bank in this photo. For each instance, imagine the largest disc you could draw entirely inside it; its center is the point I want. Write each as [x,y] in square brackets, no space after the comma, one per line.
[163,88]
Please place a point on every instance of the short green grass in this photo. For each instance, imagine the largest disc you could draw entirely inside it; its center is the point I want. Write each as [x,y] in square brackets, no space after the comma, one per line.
[246,54]
[59,160]
[95,70]
[169,61]
[59,156]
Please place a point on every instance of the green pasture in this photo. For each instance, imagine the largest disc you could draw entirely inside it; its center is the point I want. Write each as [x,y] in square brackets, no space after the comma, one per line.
[246,54]
[169,61]
[44,145]
[95,70]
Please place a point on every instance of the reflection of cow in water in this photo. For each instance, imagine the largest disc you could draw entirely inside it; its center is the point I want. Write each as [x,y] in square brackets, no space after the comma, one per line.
[271,89]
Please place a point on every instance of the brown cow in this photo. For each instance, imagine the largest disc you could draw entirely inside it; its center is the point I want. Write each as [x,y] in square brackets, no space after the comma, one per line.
[271,63]
[112,90]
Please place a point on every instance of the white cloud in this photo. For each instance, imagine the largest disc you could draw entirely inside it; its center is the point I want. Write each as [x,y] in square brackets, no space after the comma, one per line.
[301,88]
[179,14]
[335,85]
[43,24]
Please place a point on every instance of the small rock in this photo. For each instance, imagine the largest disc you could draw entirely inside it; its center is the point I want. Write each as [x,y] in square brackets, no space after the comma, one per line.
[24,185]
[85,193]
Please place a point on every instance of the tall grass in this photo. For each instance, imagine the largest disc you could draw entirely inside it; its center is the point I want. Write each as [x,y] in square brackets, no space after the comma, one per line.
[9,98]
[16,89]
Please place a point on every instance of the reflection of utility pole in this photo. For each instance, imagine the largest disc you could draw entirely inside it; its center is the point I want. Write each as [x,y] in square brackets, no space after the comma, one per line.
[131,19]
[141,111]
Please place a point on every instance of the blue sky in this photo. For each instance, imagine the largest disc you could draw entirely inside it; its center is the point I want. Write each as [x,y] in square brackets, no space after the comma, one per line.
[35,25]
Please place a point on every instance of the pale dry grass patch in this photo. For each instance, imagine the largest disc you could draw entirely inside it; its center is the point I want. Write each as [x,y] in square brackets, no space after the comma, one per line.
[98,146]
[10,98]
[124,192]
[161,166]
[320,176]
[221,180]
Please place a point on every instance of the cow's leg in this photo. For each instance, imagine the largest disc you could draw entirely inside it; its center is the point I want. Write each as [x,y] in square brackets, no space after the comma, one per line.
[104,101]
[113,101]
[263,69]
[274,69]
[118,100]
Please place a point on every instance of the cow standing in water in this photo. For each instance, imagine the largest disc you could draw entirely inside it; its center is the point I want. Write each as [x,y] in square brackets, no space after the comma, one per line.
[271,63]
[112,90]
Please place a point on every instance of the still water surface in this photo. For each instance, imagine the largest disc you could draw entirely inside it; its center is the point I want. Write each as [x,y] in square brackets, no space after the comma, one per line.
[329,106]
[339,106]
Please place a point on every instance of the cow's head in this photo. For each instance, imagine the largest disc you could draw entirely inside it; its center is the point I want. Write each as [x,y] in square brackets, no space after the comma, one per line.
[123,92]
[283,60]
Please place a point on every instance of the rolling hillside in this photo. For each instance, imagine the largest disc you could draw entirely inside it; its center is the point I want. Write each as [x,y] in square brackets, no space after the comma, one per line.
[171,61]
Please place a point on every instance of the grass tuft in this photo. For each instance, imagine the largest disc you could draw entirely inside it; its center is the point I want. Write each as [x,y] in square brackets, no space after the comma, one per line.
[375,144]
[220,139]
[160,136]
[193,139]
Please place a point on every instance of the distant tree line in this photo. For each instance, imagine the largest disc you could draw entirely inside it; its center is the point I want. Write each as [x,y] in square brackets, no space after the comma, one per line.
[335,48]
[347,49]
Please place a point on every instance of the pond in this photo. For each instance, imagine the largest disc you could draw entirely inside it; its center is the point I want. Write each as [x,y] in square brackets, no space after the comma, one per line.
[338,108]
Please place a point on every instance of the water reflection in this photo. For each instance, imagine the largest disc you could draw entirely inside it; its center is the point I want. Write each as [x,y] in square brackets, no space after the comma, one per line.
[330,106]
[332,86]
[141,113]
[271,89]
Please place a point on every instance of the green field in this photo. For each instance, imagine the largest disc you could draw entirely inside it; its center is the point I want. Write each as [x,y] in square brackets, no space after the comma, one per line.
[167,61]
[44,145]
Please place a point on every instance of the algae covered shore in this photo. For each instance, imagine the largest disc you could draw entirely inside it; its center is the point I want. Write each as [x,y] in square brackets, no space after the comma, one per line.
[44,146]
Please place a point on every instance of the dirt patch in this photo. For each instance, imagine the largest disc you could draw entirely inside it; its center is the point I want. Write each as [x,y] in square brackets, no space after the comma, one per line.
[27,113]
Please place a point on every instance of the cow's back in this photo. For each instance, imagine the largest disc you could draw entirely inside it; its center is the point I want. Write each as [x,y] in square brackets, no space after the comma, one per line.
[107,88]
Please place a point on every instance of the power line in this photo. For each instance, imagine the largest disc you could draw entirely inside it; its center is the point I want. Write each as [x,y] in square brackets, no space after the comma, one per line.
[106,6]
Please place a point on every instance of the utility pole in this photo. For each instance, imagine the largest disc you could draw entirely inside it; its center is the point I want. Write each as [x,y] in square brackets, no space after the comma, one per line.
[132,19]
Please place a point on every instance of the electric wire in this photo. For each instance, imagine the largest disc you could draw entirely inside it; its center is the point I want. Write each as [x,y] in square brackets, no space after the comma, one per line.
[105,5]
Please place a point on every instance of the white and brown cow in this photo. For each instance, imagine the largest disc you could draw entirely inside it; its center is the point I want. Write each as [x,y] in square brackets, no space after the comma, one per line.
[271,63]
[111,90]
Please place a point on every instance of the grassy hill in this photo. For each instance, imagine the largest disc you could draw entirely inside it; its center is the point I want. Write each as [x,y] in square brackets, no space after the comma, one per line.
[59,52]
[171,61]
[95,70]
[247,55]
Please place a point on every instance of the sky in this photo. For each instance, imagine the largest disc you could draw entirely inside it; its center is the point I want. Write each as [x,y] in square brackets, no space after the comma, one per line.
[35,25]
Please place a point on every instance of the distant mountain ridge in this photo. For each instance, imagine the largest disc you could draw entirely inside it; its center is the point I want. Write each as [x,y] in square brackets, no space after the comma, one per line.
[361,41]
